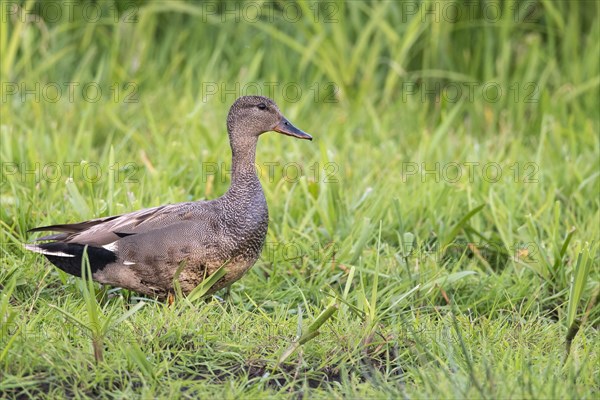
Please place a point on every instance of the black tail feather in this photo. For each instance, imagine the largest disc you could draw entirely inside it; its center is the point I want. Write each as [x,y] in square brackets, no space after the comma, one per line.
[99,257]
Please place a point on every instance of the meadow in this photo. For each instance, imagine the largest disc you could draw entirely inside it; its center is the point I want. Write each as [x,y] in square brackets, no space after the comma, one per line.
[438,238]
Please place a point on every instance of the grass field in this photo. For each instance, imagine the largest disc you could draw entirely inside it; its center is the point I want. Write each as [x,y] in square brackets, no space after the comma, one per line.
[441,232]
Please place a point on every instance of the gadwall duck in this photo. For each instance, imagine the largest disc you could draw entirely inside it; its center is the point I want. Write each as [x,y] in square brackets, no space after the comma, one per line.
[144,250]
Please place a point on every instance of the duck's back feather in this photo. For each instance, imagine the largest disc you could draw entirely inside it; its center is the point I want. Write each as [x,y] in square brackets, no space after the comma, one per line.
[103,231]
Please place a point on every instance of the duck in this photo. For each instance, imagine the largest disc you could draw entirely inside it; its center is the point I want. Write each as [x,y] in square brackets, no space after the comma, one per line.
[145,251]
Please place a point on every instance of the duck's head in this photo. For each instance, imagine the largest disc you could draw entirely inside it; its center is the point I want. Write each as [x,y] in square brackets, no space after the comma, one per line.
[251,116]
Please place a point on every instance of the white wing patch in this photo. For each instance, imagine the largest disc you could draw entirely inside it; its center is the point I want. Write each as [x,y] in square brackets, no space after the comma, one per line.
[114,248]
[111,247]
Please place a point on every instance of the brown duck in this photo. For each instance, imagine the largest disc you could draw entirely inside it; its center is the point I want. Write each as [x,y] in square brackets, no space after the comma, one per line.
[144,250]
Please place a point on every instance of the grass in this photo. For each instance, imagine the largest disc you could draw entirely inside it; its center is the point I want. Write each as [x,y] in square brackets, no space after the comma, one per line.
[439,238]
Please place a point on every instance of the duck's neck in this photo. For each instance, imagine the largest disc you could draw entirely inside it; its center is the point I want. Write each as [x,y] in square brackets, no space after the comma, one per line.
[243,170]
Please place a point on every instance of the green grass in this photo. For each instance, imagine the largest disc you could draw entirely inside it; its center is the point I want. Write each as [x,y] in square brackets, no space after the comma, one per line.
[420,283]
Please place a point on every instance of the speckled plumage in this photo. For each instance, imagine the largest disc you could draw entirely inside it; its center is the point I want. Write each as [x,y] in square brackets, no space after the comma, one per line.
[143,250]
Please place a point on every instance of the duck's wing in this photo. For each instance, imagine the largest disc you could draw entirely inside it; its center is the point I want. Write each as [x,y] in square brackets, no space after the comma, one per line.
[70,229]
[104,231]
[130,249]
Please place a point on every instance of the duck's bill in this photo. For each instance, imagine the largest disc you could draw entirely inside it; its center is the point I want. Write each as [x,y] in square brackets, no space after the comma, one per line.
[287,128]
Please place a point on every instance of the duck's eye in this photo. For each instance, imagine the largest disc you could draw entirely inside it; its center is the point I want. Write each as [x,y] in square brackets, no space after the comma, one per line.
[262,106]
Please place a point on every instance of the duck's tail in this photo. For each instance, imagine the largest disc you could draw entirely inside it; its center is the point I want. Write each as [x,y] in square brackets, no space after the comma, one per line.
[69,256]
